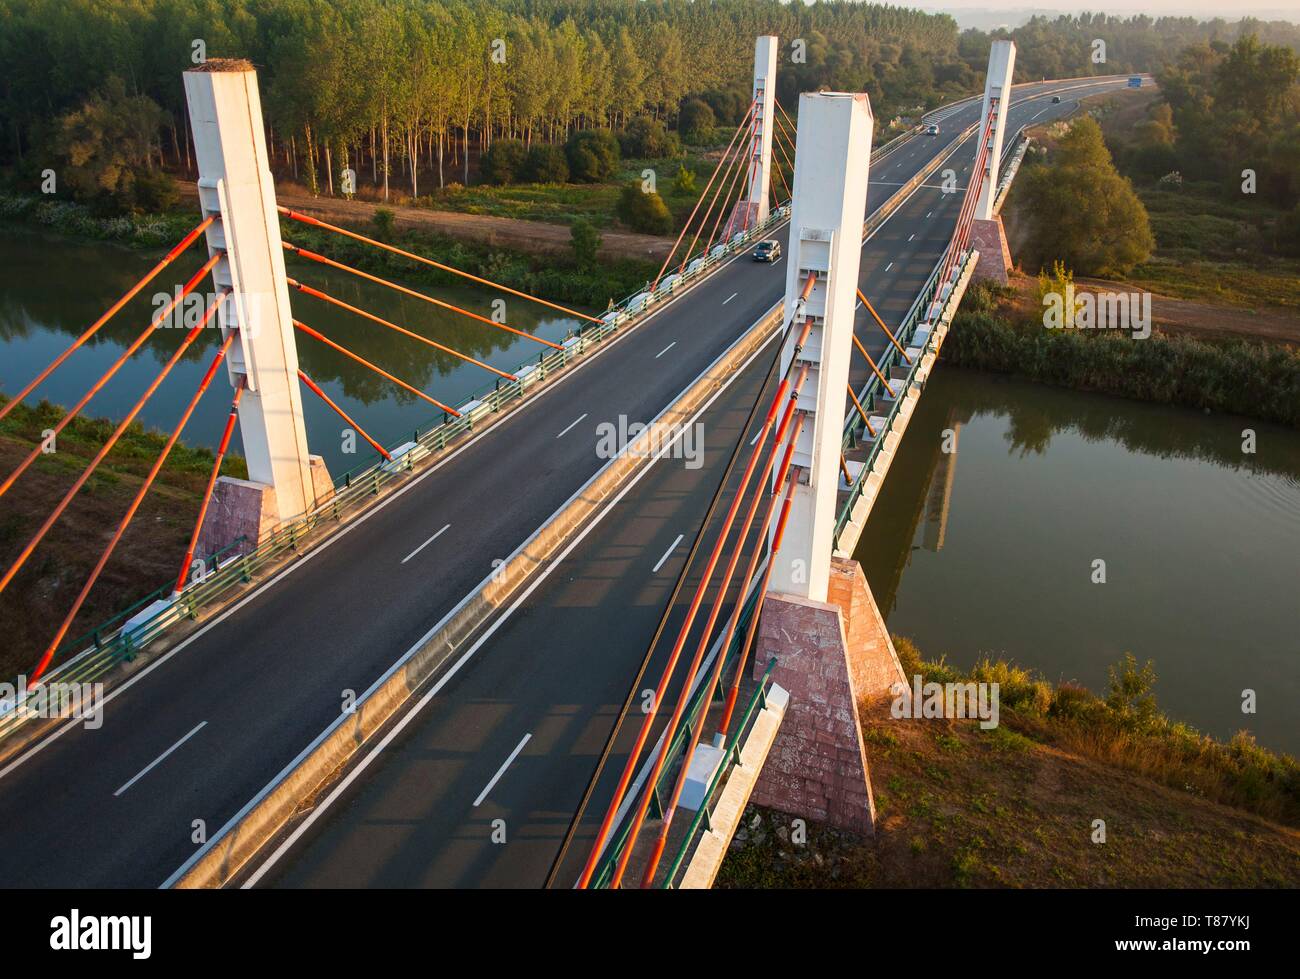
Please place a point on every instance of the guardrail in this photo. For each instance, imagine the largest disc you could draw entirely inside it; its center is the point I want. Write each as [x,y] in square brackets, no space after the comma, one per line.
[703,815]
[931,295]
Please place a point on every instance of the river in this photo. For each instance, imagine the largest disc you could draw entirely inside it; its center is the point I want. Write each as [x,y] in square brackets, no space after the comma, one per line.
[52,288]
[989,550]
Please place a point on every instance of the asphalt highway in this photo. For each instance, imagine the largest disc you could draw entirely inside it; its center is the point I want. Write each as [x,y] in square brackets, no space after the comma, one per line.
[202,731]
[476,785]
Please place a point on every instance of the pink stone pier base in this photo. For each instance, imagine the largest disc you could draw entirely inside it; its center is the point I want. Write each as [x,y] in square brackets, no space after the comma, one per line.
[830,657]
[240,507]
[990,238]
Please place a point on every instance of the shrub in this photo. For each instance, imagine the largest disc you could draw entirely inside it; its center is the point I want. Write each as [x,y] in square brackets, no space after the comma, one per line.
[684,182]
[504,161]
[593,155]
[696,121]
[546,165]
[644,212]
[650,139]
[585,242]
[383,220]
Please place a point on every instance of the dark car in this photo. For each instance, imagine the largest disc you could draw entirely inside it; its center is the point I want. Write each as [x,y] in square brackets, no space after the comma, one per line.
[767,251]
[1056,98]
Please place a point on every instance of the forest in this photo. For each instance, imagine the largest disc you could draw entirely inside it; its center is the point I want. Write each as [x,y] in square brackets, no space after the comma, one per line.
[409,94]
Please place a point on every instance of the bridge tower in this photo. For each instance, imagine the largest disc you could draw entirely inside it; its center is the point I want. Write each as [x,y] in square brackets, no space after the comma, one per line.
[235,185]
[760,168]
[830,197]
[987,233]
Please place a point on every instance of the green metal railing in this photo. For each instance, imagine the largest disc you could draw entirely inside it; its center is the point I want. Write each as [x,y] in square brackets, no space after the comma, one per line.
[704,815]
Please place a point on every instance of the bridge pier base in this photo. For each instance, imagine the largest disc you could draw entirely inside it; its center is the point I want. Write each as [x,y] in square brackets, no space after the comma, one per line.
[989,238]
[831,656]
[242,508]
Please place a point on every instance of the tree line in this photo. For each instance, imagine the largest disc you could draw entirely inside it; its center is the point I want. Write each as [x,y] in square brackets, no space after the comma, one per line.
[411,93]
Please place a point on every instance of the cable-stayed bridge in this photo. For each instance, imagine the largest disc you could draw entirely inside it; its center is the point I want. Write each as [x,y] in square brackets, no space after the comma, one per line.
[496,569]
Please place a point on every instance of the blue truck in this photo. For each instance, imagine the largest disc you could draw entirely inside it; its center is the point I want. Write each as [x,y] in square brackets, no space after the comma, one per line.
[1135,81]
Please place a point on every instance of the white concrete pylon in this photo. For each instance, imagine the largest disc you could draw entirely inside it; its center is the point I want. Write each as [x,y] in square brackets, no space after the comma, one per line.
[830,197]
[760,166]
[997,87]
[235,184]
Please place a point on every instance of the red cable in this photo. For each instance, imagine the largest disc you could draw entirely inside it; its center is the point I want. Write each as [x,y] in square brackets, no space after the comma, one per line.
[343,414]
[712,203]
[393,326]
[758,610]
[378,370]
[317,223]
[746,524]
[313,256]
[712,239]
[681,234]
[642,735]
[117,434]
[212,482]
[167,259]
[113,368]
[130,513]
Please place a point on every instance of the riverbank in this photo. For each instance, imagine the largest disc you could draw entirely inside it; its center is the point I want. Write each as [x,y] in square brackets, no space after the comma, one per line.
[1016,806]
[1239,376]
[149,553]
[550,273]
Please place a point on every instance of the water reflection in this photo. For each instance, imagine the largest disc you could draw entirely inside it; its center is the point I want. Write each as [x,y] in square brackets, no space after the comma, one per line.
[51,288]
[987,549]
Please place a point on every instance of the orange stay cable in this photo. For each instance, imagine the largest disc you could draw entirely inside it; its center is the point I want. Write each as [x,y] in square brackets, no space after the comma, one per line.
[212,482]
[113,368]
[378,370]
[858,404]
[112,441]
[343,414]
[130,294]
[317,223]
[704,193]
[722,212]
[758,609]
[625,778]
[717,194]
[881,323]
[313,256]
[697,729]
[393,326]
[131,511]
[661,756]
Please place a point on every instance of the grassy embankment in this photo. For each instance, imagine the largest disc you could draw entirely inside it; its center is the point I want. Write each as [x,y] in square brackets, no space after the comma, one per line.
[1016,806]
[993,332]
[40,595]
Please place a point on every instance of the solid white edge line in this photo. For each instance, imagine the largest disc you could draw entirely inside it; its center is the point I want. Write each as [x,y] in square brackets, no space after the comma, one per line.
[541,576]
[502,770]
[159,760]
[426,544]
[671,547]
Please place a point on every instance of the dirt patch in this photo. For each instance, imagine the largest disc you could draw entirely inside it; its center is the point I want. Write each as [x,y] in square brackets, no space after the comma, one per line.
[528,236]
[1170,315]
